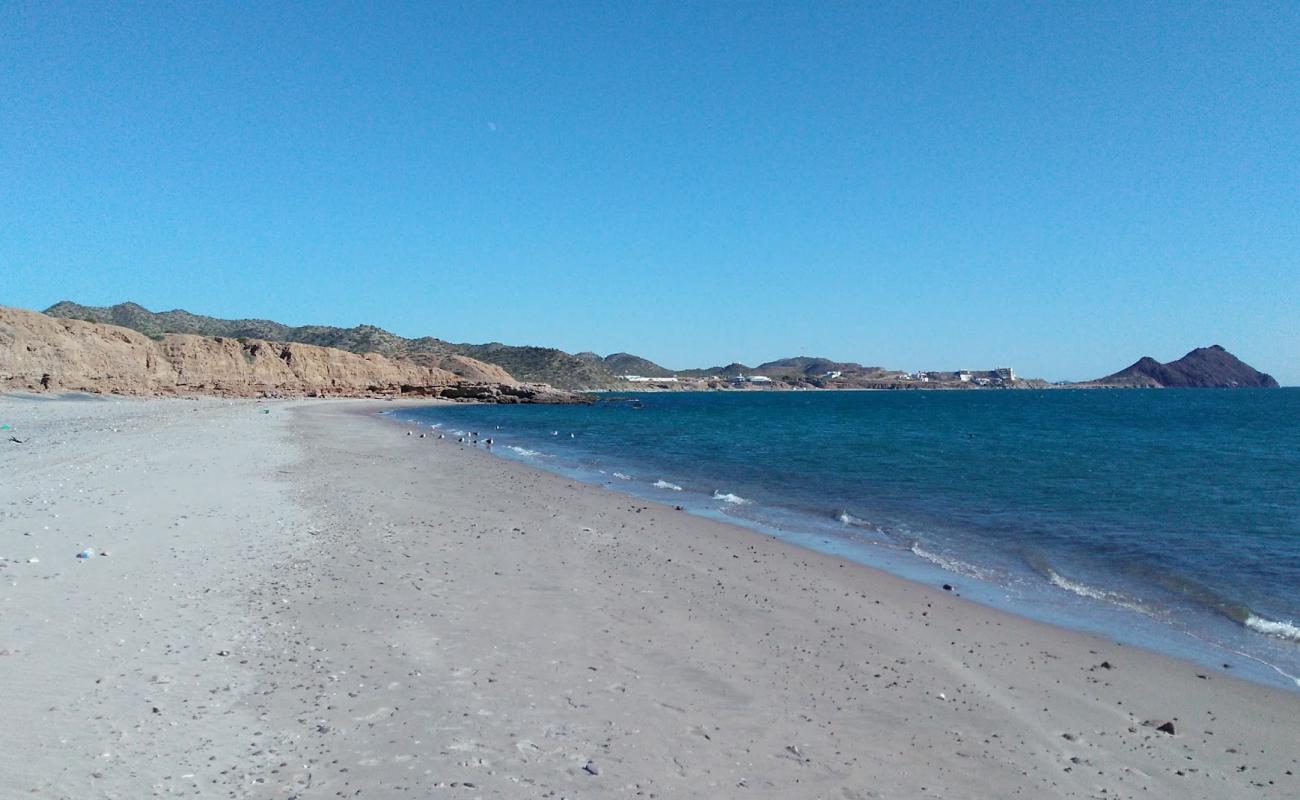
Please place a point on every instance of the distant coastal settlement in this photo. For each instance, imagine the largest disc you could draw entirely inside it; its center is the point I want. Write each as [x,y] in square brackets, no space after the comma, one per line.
[128,349]
[1204,367]
[863,378]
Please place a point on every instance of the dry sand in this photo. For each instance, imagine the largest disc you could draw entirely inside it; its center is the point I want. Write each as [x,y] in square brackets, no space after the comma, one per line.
[308,603]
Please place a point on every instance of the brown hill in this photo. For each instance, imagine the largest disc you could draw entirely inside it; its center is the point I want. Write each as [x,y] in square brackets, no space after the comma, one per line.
[628,364]
[1204,367]
[42,353]
[536,364]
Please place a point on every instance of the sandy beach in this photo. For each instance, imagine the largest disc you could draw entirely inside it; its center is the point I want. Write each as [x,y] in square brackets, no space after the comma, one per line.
[296,599]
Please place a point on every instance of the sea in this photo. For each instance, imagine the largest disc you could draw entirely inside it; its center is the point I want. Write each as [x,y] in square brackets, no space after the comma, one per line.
[1167,519]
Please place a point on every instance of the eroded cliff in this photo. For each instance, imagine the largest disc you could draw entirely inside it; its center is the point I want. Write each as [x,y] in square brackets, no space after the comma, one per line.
[42,353]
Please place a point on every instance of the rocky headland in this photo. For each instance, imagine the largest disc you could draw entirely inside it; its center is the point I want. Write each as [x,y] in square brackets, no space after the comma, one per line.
[40,353]
[1204,367]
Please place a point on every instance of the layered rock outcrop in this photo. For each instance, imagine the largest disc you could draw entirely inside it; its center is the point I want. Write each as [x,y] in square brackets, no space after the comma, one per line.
[42,353]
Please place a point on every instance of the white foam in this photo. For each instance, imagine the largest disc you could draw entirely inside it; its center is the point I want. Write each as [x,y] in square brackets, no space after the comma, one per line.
[622,477]
[1268,627]
[523,451]
[735,500]
[1081,589]
[1093,593]
[848,519]
[661,484]
[951,564]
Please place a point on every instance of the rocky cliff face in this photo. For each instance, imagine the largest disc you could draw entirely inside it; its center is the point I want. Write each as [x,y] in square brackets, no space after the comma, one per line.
[42,353]
[1204,367]
[541,364]
[467,368]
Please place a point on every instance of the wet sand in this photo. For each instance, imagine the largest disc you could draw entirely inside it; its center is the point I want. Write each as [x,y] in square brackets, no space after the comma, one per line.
[309,603]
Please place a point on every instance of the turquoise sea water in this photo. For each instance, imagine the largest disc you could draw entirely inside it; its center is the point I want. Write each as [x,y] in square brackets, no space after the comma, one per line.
[1169,519]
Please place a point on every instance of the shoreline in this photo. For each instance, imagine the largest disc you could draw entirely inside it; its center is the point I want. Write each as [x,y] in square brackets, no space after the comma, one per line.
[1097,645]
[344,608]
[1040,593]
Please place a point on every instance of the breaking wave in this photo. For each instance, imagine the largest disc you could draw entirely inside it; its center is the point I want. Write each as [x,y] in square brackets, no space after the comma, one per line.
[1094,593]
[523,451]
[846,518]
[662,484]
[1234,610]
[622,477]
[734,499]
[1281,630]
[1081,589]
[951,564]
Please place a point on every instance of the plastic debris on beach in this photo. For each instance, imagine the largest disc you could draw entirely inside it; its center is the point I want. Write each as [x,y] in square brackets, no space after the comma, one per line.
[87,553]
[6,427]
[265,411]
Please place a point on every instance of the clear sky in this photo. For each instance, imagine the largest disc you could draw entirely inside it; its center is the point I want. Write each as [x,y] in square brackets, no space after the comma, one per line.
[1058,187]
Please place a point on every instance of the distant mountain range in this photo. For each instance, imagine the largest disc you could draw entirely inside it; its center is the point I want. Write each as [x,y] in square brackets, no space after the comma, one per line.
[532,364]
[1202,368]
[1209,366]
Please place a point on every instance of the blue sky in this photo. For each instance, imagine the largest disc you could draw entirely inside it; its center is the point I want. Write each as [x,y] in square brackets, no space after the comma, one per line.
[1059,187]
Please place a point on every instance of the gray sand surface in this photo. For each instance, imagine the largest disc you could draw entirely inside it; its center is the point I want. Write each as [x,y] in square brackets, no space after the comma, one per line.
[308,603]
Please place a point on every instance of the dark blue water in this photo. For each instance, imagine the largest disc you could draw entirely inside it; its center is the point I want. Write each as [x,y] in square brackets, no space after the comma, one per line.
[1164,518]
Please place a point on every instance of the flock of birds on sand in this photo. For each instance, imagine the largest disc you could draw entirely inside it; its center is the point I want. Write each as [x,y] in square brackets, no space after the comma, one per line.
[474,439]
